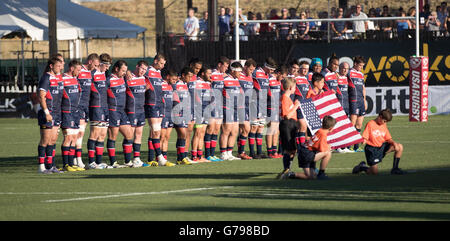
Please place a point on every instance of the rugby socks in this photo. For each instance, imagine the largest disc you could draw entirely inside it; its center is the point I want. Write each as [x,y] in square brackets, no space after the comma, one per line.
[111,146]
[41,156]
[396,162]
[127,149]
[49,156]
[259,141]
[251,143]
[65,154]
[193,154]
[212,150]
[156,146]
[199,153]
[136,150]
[207,140]
[181,147]
[78,152]
[71,155]
[91,150]
[151,150]
[241,144]
[99,146]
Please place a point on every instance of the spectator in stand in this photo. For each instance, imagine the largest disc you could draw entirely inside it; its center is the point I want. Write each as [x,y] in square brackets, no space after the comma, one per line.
[386,25]
[424,14]
[203,23]
[273,16]
[263,27]
[412,13]
[191,25]
[283,30]
[432,23]
[303,27]
[442,16]
[339,28]
[224,22]
[372,25]
[312,25]
[243,32]
[402,25]
[252,28]
[447,23]
[359,27]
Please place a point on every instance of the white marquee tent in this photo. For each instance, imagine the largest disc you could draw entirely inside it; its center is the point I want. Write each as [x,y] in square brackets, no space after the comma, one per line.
[73,21]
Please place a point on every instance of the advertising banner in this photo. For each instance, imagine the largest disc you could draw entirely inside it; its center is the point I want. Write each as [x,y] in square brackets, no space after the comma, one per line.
[418,84]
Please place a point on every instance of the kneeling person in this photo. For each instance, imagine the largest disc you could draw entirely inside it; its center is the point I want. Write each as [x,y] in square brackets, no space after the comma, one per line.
[379,142]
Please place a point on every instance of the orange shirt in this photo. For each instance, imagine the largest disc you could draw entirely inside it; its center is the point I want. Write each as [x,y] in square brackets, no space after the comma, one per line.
[287,108]
[376,135]
[318,141]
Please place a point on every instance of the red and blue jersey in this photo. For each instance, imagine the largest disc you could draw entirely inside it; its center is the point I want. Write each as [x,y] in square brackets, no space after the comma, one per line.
[167,93]
[247,87]
[273,98]
[202,95]
[71,94]
[302,86]
[231,93]
[50,84]
[217,88]
[181,98]
[355,86]
[116,93]
[98,97]
[153,96]
[343,86]
[85,81]
[135,98]
[261,85]
[331,82]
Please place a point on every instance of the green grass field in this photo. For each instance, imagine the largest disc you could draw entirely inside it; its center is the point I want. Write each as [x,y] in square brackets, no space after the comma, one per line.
[229,190]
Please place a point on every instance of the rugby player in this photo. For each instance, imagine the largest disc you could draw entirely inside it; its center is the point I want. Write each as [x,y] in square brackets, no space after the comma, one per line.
[202,100]
[48,92]
[70,115]
[85,80]
[258,108]
[273,112]
[154,108]
[118,119]
[357,96]
[196,65]
[167,123]
[301,90]
[230,127]
[343,87]
[246,82]
[181,113]
[135,100]
[215,123]
[98,113]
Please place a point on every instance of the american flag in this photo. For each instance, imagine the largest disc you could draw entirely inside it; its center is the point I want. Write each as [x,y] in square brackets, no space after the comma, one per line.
[314,109]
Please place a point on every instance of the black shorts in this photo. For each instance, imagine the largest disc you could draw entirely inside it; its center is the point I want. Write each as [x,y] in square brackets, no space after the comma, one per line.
[118,118]
[70,120]
[306,157]
[357,108]
[167,122]
[136,119]
[375,155]
[288,131]
[42,121]
[153,111]
[98,114]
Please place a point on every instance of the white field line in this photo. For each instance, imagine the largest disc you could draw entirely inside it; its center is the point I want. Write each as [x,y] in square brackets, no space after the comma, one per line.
[134,194]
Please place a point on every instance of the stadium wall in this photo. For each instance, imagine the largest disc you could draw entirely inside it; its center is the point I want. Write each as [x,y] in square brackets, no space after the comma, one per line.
[25,105]
[387,61]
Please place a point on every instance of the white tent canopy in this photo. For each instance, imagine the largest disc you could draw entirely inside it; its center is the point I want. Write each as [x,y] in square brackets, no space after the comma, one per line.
[73,21]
